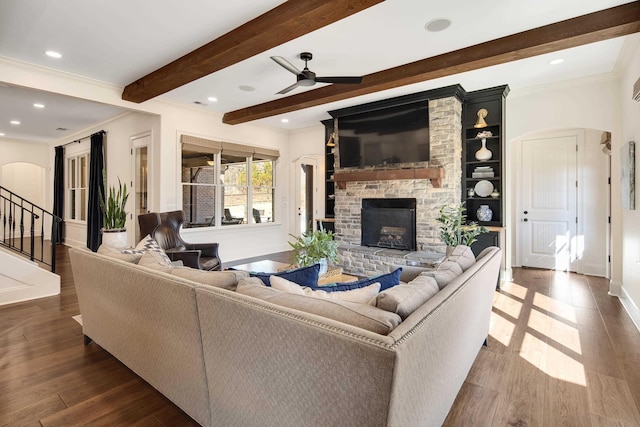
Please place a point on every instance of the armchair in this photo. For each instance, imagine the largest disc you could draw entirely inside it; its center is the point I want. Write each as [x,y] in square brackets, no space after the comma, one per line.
[166,232]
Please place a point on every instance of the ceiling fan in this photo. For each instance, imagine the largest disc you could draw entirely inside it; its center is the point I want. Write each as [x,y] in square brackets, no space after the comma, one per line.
[307,77]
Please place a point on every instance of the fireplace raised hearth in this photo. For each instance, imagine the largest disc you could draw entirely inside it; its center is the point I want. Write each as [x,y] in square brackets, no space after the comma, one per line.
[389,223]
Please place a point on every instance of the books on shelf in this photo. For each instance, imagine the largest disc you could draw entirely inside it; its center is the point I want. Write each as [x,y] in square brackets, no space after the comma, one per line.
[483,172]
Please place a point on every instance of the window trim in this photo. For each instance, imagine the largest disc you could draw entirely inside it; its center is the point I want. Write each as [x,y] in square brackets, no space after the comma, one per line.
[218,149]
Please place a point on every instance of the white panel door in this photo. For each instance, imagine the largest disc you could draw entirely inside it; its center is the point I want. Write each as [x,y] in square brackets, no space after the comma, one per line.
[549,215]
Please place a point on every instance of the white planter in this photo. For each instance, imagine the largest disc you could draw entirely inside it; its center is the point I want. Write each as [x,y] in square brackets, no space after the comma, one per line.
[115,238]
[323,266]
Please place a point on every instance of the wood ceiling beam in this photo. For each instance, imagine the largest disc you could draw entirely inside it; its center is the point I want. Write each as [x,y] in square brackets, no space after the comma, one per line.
[594,27]
[291,19]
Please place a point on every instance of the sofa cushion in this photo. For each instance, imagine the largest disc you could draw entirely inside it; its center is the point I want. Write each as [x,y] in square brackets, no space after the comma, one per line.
[405,298]
[463,256]
[361,296]
[305,276]
[446,272]
[219,279]
[386,281]
[360,315]
[148,244]
[117,253]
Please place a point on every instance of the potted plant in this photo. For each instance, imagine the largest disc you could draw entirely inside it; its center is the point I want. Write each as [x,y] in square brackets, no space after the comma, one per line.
[314,247]
[454,229]
[114,215]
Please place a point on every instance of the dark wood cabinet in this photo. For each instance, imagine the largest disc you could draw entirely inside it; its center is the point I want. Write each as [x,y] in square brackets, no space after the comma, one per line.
[482,178]
[329,171]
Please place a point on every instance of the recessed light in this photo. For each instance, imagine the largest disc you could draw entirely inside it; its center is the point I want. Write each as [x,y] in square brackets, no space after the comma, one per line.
[436,25]
[247,88]
[556,61]
[38,105]
[285,120]
[212,99]
[1,133]
[53,54]
[15,122]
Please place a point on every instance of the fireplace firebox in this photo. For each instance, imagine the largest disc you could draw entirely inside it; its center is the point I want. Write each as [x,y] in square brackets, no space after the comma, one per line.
[389,223]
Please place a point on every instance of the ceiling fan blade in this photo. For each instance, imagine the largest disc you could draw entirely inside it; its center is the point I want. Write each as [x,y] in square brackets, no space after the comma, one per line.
[286,64]
[289,89]
[345,80]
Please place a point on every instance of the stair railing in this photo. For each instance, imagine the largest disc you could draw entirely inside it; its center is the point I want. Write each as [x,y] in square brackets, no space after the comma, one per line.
[16,213]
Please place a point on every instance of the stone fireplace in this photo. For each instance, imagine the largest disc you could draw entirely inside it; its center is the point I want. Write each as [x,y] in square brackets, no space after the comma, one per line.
[445,136]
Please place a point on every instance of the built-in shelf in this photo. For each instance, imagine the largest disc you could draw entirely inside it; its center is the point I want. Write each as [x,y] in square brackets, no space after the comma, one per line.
[434,174]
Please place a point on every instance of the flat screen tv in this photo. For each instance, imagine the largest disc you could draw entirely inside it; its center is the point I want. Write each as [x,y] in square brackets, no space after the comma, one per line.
[384,137]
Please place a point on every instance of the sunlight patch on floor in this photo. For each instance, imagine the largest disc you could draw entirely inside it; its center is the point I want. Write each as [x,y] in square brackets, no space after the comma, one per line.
[556,307]
[501,329]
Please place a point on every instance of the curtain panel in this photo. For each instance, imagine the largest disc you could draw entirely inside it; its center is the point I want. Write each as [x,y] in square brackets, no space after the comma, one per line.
[96,188]
[57,228]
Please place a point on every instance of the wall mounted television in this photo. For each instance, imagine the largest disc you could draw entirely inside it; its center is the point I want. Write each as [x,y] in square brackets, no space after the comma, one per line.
[385,137]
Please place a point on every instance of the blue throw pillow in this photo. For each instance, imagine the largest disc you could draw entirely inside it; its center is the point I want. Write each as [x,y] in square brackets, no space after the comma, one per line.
[386,281]
[303,276]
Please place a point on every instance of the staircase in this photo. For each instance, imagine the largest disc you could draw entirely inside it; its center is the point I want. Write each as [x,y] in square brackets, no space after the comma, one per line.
[24,251]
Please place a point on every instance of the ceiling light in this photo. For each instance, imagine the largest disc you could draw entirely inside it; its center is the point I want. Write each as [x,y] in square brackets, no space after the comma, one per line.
[15,122]
[212,99]
[556,61]
[38,105]
[53,54]
[247,88]
[436,25]
[285,120]
[1,133]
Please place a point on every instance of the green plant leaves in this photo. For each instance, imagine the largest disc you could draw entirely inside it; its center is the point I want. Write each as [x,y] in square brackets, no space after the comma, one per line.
[114,215]
[312,246]
[454,229]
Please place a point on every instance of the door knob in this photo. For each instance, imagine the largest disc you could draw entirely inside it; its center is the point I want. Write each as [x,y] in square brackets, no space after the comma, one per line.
[526,212]
[525,220]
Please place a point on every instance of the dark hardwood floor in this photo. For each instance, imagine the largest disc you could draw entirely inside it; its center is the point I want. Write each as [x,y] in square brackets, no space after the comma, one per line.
[561,353]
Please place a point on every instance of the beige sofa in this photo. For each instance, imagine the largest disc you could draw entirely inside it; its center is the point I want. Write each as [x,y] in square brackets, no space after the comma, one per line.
[228,359]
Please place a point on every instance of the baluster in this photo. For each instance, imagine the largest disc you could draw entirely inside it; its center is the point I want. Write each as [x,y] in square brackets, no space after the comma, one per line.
[42,234]
[12,225]
[21,227]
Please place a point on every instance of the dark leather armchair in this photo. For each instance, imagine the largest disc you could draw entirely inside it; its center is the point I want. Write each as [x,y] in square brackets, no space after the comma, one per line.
[164,227]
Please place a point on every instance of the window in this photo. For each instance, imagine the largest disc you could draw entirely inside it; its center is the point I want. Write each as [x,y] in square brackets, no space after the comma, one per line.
[77,183]
[226,184]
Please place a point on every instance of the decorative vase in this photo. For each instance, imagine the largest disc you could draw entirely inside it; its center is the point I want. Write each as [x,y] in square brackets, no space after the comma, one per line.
[495,194]
[483,153]
[115,238]
[323,266]
[471,192]
[484,213]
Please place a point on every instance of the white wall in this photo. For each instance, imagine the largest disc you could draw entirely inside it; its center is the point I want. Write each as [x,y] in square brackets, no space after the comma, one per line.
[582,104]
[117,161]
[630,289]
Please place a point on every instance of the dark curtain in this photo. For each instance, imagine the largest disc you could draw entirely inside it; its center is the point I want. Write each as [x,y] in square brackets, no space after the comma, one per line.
[58,196]
[96,187]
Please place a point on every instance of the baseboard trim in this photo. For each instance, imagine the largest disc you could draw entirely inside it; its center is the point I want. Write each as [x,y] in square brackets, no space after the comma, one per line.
[615,288]
[631,307]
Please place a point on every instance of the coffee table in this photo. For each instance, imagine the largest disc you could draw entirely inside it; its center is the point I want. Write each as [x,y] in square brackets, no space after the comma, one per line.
[270,266]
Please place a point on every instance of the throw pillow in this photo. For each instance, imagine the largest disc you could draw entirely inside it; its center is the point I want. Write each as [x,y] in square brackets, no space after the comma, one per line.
[360,315]
[148,244]
[405,298]
[386,281]
[117,253]
[305,276]
[463,256]
[361,296]
[152,259]
[446,272]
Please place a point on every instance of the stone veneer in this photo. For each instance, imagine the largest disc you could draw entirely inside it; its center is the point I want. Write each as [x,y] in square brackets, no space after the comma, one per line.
[445,138]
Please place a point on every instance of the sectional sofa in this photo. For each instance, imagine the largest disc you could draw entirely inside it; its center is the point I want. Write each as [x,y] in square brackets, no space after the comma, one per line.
[231,359]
